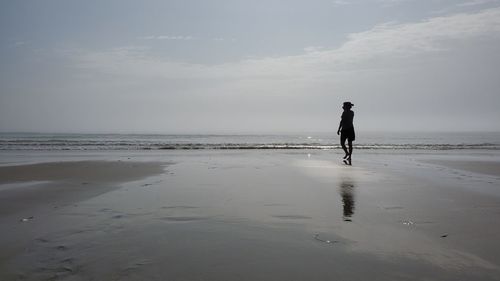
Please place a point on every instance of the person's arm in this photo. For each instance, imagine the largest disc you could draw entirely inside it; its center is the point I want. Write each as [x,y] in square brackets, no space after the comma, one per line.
[340,126]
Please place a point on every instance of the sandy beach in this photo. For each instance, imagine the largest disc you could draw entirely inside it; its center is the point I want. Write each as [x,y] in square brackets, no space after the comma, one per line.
[249,215]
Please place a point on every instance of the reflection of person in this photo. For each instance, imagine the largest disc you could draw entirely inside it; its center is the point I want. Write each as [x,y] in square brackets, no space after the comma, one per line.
[347,193]
[346,131]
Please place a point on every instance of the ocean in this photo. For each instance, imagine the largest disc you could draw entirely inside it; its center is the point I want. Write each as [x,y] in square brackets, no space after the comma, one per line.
[364,140]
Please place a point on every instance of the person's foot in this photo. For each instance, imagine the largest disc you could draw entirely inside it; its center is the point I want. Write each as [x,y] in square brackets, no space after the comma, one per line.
[348,161]
[345,156]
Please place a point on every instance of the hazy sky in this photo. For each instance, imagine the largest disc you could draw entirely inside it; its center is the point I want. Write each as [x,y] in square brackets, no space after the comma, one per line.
[260,66]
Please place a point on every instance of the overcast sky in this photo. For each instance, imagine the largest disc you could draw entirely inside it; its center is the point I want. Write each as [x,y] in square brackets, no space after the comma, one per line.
[260,66]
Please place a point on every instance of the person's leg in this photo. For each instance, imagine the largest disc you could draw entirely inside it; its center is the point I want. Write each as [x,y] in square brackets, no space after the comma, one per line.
[342,143]
[350,151]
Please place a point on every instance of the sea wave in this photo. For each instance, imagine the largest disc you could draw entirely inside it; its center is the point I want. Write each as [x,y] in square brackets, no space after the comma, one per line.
[55,144]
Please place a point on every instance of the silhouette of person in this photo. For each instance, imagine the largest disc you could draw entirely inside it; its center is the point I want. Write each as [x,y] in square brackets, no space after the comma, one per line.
[346,131]
[347,193]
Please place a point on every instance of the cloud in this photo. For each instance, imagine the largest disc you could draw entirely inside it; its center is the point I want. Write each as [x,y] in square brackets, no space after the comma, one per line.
[425,36]
[392,2]
[340,3]
[220,39]
[384,41]
[476,3]
[313,49]
[17,44]
[182,38]
[167,37]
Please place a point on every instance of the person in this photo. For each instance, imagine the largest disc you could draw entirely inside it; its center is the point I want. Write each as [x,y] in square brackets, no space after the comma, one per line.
[346,131]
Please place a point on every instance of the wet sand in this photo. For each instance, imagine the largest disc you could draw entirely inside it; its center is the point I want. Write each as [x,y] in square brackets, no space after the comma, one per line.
[86,171]
[482,167]
[61,183]
[248,215]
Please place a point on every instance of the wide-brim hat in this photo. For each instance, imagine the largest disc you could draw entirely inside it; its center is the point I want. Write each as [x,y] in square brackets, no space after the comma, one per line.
[348,103]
